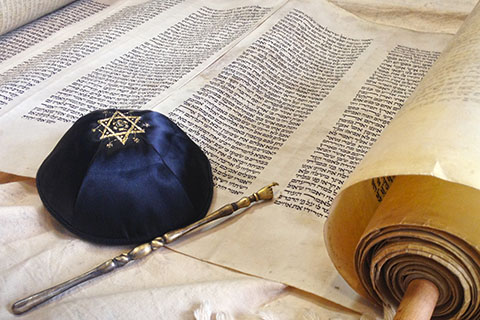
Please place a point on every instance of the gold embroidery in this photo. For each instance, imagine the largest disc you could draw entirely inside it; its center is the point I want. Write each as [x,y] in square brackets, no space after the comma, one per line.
[120,126]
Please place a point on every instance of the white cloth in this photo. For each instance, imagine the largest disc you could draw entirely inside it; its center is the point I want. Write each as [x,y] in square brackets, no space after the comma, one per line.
[38,253]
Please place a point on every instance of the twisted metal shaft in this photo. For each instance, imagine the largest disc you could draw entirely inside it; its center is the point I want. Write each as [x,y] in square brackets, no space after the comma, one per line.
[143,250]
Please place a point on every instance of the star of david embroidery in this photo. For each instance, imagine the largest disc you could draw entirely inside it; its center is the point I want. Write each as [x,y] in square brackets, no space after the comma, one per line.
[119,126]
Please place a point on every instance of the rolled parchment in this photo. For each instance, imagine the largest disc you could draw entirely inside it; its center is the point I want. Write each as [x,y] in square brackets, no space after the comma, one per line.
[411,209]
[425,228]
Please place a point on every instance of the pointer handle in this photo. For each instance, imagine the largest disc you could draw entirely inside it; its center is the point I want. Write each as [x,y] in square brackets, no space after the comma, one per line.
[139,252]
[32,301]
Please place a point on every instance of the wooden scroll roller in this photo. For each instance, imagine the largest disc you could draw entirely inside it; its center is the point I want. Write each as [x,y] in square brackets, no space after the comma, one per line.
[419,301]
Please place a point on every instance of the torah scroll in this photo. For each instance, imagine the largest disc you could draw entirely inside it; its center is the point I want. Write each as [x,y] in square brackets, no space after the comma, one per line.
[411,210]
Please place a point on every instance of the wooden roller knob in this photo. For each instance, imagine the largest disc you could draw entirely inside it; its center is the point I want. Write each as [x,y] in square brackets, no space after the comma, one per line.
[418,302]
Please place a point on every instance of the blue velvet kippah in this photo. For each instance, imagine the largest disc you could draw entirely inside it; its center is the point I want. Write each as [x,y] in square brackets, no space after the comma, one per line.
[125,177]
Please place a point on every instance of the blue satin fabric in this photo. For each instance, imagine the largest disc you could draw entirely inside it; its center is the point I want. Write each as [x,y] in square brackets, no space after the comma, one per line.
[114,193]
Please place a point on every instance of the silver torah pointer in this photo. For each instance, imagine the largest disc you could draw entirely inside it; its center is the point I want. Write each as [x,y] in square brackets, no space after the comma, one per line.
[21,306]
